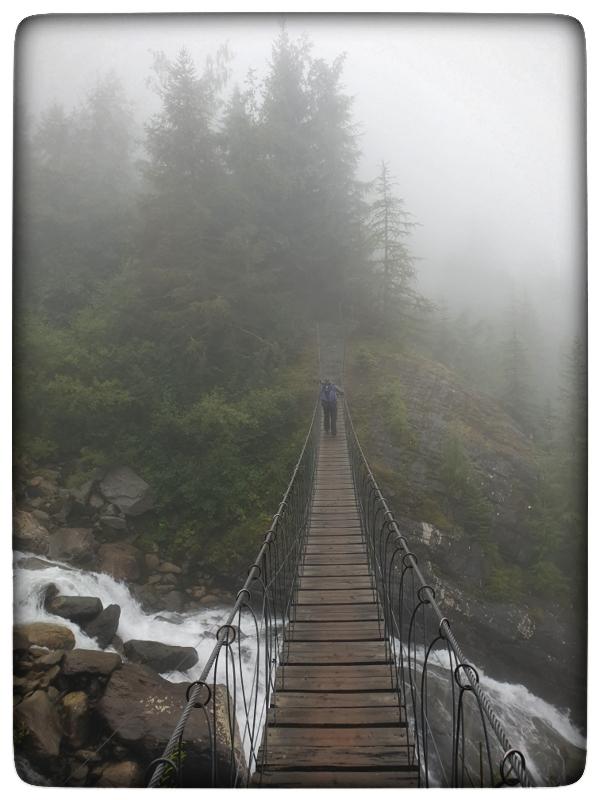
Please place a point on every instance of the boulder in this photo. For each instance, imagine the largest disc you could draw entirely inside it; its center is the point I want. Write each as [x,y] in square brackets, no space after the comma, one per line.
[76,718]
[104,626]
[78,773]
[60,506]
[82,494]
[125,774]
[90,663]
[159,656]
[48,660]
[49,677]
[95,501]
[168,567]
[130,493]
[114,523]
[211,600]
[75,545]
[174,601]
[142,709]
[37,720]
[148,598]
[152,561]
[77,609]
[121,560]
[41,487]
[28,774]
[44,634]
[29,534]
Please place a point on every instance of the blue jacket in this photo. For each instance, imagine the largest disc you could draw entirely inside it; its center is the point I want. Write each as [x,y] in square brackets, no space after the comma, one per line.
[328,393]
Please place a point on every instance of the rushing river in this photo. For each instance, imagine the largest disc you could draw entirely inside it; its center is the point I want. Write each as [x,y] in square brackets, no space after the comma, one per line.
[552,744]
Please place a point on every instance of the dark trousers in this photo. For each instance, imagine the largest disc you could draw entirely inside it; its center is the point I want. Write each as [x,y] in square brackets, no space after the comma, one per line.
[330,417]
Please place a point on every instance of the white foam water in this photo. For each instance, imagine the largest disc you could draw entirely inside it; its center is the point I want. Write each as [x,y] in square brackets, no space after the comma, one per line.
[553,746]
[194,629]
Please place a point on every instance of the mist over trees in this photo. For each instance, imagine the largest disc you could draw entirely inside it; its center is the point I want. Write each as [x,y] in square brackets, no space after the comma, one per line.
[169,280]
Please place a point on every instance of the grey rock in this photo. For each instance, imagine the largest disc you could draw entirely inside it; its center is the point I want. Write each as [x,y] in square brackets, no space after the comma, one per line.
[113,522]
[170,568]
[104,626]
[148,598]
[152,561]
[74,545]
[123,775]
[29,534]
[43,634]
[174,601]
[130,493]
[159,656]
[121,560]
[40,723]
[143,708]
[28,773]
[77,609]
[95,501]
[90,663]
[76,718]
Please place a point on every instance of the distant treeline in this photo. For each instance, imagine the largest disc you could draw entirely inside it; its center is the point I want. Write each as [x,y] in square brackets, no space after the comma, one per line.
[167,290]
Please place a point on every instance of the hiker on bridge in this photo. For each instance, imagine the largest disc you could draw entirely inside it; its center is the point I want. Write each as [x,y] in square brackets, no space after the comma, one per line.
[329,393]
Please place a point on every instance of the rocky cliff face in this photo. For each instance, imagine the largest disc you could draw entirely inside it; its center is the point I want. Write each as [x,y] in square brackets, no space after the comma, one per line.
[405,409]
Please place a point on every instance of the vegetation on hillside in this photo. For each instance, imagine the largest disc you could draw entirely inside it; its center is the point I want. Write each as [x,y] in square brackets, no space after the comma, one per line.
[167,298]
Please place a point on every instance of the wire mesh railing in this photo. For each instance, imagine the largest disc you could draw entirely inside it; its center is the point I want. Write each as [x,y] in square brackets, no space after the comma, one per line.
[238,681]
[457,737]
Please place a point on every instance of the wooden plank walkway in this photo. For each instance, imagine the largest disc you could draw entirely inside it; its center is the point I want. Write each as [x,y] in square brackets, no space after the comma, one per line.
[335,719]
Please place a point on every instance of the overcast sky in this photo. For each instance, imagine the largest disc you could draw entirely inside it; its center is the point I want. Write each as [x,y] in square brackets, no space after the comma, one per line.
[480,119]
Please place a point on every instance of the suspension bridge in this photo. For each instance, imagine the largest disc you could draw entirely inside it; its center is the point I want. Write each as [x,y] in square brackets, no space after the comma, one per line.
[335,666]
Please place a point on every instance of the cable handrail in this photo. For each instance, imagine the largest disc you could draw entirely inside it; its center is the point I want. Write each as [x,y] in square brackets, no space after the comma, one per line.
[226,633]
[378,520]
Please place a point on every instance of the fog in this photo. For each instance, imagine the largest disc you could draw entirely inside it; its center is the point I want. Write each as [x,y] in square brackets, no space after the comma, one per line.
[480,119]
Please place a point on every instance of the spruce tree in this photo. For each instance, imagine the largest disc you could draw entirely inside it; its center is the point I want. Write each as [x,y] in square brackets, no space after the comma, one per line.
[390,226]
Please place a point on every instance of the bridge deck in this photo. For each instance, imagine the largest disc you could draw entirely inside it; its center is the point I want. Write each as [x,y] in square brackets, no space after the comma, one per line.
[335,720]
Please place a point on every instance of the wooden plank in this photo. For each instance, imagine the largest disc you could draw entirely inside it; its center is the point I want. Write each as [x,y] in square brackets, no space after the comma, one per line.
[345,613]
[324,541]
[325,683]
[284,699]
[334,596]
[318,736]
[325,570]
[349,582]
[328,612]
[332,530]
[335,653]
[340,670]
[335,558]
[337,717]
[340,539]
[334,521]
[315,758]
[337,779]
[334,631]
